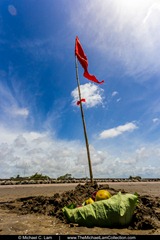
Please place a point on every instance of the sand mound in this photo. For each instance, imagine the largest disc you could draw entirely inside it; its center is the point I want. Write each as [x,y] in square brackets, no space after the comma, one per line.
[146,216]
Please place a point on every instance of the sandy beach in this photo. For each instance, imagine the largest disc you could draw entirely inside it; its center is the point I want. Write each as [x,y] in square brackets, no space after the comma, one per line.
[16,223]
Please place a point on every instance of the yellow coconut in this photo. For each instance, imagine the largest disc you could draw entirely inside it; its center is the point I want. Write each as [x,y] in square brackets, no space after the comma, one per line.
[102,195]
[89,201]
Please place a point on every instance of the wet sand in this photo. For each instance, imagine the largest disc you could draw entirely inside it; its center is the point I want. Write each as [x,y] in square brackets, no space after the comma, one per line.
[12,223]
[11,192]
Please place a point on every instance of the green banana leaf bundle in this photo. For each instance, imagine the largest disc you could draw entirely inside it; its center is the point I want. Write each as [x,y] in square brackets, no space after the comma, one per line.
[116,211]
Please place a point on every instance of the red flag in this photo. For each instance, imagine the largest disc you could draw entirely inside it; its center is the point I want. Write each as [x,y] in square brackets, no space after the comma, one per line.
[82,58]
[82,100]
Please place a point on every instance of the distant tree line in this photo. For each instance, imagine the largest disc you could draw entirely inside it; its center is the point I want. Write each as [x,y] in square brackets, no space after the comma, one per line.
[67,176]
[39,176]
[36,176]
[136,177]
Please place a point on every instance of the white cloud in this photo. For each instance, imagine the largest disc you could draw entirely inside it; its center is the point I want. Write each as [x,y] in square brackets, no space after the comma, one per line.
[129,163]
[24,112]
[137,158]
[114,132]
[151,9]
[35,152]
[13,105]
[25,153]
[124,36]
[114,93]
[92,93]
[156,120]
[118,100]
[30,152]
[40,49]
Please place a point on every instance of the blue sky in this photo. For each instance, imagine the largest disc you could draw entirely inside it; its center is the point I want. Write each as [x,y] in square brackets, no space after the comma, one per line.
[40,124]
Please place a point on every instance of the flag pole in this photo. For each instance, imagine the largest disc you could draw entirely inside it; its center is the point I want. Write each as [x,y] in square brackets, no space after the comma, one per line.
[83,121]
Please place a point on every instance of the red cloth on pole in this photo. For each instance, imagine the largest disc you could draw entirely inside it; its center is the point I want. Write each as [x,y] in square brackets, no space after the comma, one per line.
[82,58]
[82,100]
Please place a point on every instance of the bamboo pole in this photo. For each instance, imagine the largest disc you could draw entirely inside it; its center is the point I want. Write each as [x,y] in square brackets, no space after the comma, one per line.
[83,121]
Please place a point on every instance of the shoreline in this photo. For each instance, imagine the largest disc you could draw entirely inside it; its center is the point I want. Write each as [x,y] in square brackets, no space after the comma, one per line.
[75,184]
[28,181]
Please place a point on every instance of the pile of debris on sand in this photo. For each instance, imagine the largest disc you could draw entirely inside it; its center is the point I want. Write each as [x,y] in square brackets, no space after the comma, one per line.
[146,215]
